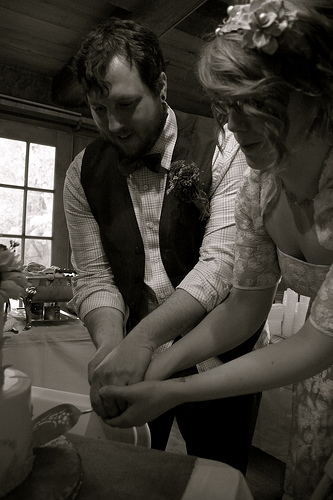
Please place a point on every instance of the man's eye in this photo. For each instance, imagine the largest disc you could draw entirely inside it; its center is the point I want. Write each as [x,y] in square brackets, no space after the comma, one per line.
[127,104]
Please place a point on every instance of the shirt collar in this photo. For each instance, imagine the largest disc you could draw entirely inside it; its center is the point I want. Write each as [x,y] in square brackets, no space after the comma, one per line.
[166,142]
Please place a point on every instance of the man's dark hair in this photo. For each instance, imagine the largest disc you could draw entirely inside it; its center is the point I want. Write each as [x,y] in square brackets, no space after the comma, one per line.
[115,37]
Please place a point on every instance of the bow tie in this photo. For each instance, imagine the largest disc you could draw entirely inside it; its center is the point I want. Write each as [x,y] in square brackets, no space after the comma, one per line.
[153,161]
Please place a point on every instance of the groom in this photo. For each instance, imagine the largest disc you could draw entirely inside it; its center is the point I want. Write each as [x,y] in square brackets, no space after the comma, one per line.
[152,238]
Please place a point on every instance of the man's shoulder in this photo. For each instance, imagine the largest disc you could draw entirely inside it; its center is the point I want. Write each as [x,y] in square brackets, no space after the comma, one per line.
[188,120]
[75,166]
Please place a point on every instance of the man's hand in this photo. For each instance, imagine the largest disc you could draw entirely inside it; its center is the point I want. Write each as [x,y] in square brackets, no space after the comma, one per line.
[126,364]
[98,357]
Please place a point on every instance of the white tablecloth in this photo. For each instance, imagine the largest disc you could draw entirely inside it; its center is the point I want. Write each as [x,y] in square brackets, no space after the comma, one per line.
[54,355]
[209,480]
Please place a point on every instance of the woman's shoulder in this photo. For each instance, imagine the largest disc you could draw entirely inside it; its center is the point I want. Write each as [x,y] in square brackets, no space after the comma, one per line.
[251,185]
[257,191]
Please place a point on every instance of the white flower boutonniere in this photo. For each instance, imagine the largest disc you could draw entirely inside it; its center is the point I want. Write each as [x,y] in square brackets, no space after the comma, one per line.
[184,179]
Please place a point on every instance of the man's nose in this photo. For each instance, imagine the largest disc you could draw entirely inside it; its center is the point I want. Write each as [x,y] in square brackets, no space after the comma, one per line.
[114,122]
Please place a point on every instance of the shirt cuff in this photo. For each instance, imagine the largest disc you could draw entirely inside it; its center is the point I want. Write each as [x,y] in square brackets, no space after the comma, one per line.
[96,300]
[207,294]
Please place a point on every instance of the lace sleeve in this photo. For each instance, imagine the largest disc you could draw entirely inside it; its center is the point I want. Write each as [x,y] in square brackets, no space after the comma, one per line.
[256,263]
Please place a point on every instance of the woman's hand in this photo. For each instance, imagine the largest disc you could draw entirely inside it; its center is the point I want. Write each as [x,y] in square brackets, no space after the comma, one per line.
[144,402]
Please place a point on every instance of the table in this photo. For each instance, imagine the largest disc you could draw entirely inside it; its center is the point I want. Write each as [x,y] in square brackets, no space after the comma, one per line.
[54,355]
[109,469]
[104,470]
[89,425]
[122,471]
[115,468]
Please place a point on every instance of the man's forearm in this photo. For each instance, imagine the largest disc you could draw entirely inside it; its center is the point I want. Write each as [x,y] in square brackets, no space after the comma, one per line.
[105,326]
[176,316]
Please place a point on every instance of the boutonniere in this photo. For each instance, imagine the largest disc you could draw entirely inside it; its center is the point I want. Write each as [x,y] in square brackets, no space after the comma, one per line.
[184,179]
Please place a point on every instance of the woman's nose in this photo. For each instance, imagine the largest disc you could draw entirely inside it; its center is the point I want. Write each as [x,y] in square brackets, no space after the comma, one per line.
[237,121]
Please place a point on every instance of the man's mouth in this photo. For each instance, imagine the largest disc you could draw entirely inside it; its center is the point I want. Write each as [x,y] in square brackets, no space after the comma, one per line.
[123,136]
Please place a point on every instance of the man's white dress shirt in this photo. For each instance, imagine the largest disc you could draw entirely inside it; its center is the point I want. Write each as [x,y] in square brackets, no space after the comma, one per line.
[208,282]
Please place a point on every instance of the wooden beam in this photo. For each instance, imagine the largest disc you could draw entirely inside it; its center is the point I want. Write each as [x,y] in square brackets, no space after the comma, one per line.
[161,16]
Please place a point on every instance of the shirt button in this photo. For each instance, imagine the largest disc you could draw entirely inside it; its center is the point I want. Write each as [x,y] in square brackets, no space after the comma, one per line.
[145,187]
[150,225]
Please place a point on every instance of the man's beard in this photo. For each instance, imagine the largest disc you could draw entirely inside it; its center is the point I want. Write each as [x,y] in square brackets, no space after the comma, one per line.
[159,121]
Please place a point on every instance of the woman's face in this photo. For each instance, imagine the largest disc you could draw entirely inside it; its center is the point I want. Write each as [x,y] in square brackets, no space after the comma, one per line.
[249,132]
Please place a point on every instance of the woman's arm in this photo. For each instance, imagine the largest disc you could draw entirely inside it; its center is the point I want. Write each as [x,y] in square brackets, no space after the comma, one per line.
[303,355]
[227,326]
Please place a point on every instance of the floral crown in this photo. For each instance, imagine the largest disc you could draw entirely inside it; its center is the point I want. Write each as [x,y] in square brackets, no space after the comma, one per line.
[261,22]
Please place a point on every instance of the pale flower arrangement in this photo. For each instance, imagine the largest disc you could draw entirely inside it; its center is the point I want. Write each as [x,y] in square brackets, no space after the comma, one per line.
[260,22]
[184,179]
[13,285]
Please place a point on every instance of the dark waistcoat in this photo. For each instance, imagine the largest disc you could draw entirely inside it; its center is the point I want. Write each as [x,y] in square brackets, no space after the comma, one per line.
[181,230]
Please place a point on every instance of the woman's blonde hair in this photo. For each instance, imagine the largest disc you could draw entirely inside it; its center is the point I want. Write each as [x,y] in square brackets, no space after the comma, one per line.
[303,62]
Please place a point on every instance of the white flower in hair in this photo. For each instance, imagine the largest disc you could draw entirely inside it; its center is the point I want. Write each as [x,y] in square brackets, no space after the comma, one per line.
[260,22]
